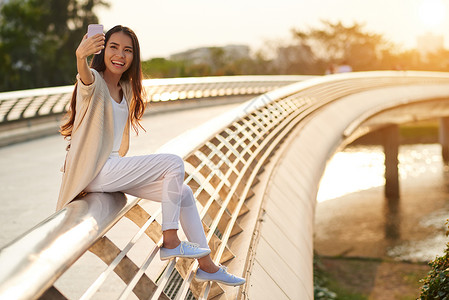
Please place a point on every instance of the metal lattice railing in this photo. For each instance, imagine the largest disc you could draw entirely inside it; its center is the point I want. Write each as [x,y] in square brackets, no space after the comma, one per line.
[223,160]
[27,104]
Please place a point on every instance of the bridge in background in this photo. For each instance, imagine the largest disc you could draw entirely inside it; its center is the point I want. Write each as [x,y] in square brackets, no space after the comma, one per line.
[255,172]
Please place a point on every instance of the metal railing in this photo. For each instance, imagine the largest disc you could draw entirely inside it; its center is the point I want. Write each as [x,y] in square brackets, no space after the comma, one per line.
[35,103]
[223,159]
[36,113]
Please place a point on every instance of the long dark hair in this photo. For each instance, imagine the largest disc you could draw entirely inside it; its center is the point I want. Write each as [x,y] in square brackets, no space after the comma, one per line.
[133,75]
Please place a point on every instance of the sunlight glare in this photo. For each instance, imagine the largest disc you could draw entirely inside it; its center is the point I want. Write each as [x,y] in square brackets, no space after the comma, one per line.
[432,13]
[352,170]
[362,167]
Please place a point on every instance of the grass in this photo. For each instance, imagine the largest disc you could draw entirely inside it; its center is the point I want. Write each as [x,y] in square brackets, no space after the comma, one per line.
[372,279]
[410,133]
[343,293]
[424,131]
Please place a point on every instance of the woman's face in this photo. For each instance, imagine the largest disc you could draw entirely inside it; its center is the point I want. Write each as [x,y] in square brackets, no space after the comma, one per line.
[118,54]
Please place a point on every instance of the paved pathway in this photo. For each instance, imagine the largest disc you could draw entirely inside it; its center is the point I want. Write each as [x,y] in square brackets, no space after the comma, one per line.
[30,176]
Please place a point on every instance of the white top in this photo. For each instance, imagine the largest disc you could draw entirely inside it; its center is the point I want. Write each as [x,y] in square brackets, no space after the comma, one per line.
[120,118]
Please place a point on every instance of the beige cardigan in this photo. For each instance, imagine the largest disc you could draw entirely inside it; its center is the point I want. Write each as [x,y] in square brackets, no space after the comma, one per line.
[92,137]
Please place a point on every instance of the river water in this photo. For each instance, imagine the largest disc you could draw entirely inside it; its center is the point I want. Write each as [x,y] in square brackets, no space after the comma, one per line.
[353,217]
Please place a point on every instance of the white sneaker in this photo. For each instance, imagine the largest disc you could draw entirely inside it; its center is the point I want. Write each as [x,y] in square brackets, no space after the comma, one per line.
[184,249]
[221,276]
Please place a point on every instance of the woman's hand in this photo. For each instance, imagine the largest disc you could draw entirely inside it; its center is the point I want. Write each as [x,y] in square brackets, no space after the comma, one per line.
[89,46]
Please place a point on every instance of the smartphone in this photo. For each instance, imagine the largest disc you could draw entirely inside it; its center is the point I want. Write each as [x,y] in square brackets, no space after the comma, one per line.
[94,29]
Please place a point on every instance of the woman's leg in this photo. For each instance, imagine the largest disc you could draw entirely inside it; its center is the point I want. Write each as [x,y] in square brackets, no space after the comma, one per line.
[190,218]
[193,228]
[157,177]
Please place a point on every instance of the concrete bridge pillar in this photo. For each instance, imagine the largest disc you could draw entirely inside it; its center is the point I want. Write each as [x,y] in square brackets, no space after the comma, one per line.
[390,142]
[444,138]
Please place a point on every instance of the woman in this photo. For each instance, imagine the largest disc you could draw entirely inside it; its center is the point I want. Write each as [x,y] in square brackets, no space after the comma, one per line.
[107,100]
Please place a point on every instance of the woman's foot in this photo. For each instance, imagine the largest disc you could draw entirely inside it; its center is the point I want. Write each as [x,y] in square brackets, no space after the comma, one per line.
[221,276]
[184,249]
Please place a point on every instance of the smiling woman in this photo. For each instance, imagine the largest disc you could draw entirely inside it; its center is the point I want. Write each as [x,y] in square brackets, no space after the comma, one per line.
[432,13]
[107,100]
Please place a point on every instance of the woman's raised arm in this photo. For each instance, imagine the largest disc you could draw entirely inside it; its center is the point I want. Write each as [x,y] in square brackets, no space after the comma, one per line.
[88,46]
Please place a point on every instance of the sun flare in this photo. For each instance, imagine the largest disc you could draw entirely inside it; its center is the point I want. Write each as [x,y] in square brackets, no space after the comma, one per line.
[432,13]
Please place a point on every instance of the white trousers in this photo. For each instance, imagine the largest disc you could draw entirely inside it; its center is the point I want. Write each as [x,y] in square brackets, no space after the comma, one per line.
[156,177]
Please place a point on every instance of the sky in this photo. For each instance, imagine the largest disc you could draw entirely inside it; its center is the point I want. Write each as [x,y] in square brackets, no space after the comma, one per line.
[166,27]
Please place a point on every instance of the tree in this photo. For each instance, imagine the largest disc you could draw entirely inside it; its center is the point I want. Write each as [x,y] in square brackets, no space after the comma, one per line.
[335,43]
[38,39]
[436,284]
[437,61]
[297,59]
[159,67]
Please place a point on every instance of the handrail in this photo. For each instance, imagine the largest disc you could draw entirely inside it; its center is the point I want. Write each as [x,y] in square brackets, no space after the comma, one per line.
[223,159]
[35,103]
[50,252]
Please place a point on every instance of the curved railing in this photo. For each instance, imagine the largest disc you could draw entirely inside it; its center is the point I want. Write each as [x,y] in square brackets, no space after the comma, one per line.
[35,113]
[224,159]
[35,103]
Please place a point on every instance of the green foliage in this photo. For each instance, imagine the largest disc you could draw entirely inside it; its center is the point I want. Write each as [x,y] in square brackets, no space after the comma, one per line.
[320,291]
[436,284]
[161,67]
[38,39]
[219,65]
